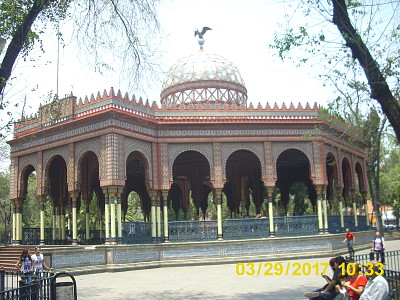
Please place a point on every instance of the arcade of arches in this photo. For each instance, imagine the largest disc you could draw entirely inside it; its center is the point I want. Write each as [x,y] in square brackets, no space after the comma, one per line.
[192,177]
[204,148]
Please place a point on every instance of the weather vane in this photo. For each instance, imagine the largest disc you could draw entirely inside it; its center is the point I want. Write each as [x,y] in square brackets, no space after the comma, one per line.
[200,34]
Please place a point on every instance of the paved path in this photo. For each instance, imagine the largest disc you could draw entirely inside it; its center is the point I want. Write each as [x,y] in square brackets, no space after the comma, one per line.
[202,282]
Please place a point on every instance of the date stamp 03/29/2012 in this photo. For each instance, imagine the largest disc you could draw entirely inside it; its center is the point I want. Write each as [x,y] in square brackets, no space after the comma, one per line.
[288,268]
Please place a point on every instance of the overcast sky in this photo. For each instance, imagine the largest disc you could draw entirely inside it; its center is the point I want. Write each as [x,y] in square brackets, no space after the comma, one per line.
[241,32]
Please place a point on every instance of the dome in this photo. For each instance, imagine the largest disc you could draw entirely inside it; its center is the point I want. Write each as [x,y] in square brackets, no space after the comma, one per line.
[203,78]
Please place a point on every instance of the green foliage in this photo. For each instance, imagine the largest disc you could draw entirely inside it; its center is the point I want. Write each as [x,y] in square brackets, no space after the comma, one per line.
[31,209]
[134,211]
[390,179]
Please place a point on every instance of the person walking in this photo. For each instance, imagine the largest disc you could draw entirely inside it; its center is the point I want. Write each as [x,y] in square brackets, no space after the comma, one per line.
[378,247]
[24,265]
[349,240]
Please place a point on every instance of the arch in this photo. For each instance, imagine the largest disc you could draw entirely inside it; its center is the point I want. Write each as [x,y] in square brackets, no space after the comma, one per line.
[191,172]
[88,175]
[292,166]
[256,148]
[136,172]
[360,175]
[243,175]
[304,148]
[23,180]
[176,150]
[332,174]
[56,180]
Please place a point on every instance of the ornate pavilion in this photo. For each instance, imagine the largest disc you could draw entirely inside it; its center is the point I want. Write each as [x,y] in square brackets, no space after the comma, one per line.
[204,140]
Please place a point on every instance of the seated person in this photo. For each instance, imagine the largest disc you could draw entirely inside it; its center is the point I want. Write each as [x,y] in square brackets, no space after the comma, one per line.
[355,286]
[377,287]
[328,291]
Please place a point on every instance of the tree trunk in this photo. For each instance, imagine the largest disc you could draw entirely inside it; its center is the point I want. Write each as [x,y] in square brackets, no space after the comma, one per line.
[377,82]
[18,41]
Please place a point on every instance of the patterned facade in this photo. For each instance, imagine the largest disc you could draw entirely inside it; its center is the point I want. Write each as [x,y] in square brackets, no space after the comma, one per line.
[113,143]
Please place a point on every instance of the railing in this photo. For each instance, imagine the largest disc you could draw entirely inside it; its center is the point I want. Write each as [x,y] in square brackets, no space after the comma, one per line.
[334,223]
[233,229]
[391,268]
[393,279]
[296,226]
[136,232]
[185,231]
[31,236]
[391,260]
[238,229]
[14,286]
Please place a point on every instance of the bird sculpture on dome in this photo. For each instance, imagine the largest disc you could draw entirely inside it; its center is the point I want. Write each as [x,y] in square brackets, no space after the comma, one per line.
[201,34]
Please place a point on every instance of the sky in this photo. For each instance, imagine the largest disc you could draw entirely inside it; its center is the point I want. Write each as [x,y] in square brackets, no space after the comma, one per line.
[242,31]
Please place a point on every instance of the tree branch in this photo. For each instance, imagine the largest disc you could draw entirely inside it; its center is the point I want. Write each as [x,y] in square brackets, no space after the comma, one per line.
[18,40]
[377,82]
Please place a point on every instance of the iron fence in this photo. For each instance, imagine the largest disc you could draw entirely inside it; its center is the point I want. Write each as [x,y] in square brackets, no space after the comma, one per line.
[349,222]
[296,226]
[13,285]
[393,279]
[185,231]
[136,232]
[391,260]
[31,236]
[238,229]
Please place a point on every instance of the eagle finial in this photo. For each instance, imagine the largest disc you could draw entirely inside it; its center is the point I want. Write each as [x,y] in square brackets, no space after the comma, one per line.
[201,34]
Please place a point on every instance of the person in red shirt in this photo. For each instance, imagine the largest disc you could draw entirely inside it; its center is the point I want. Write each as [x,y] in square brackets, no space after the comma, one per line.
[350,239]
[355,287]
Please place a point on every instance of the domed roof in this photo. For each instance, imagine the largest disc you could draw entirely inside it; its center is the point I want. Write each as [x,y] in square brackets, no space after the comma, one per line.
[203,77]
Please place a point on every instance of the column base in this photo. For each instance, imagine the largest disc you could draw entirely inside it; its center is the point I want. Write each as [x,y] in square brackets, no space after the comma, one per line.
[220,237]
[321,231]
[166,239]
[42,243]
[272,235]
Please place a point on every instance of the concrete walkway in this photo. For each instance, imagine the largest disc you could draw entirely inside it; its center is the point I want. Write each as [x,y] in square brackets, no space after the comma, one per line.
[203,282]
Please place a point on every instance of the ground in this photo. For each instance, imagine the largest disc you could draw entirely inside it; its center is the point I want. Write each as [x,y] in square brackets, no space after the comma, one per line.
[203,282]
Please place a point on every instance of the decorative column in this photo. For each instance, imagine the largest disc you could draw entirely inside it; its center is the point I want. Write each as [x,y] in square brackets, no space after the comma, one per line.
[318,189]
[54,228]
[119,217]
[112,203]
[364,196]
[158,212]
[74,196]
[325,209]
[18,221]
[270,192]
[42,206]
[107,217]
[62,223]
[340,198]
[87,222]
[14,223]
[153,216]
[165,208]
[353,200]
[58,222]
[218,195]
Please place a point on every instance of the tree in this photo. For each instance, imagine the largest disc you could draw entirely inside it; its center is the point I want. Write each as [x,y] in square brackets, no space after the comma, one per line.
[123,27]
[371,35]
[390,180]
